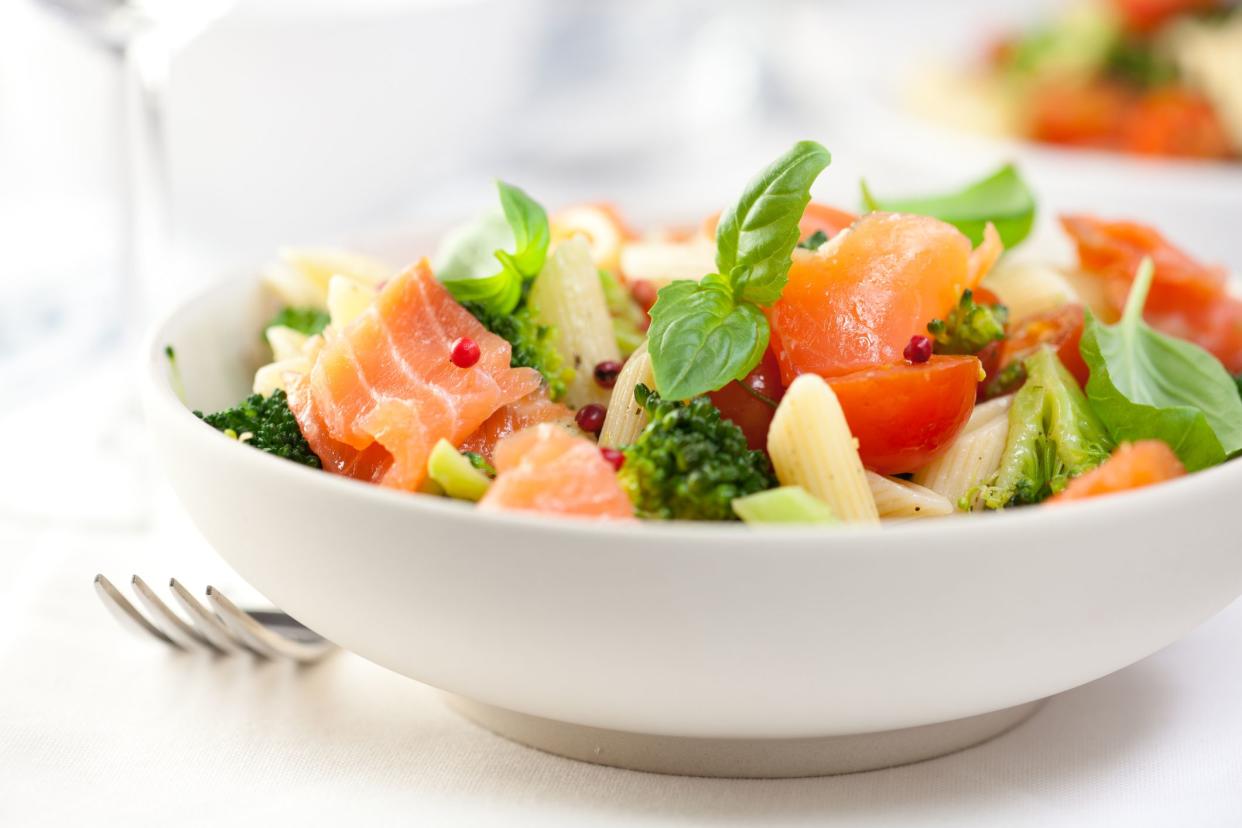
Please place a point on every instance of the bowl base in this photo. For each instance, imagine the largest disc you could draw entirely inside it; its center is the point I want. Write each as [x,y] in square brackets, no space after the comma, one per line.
[743,758]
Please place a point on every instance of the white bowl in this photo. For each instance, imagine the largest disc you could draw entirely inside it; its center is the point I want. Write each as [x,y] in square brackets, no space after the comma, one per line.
[721,632]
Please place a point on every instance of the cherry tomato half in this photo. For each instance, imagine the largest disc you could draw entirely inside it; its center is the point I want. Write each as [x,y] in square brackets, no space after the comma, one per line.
[752,402]
[903,415]
[1061,328]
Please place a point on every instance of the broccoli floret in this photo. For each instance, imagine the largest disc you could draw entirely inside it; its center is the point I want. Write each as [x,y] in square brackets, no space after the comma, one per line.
[1053,436]
[267,424]
[1006,381]
[970,327]
[814,241]
[533,345]
[688,463]
[303,320]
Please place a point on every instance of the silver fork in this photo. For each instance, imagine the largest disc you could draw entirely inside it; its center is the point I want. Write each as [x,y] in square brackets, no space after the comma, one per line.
[228,630]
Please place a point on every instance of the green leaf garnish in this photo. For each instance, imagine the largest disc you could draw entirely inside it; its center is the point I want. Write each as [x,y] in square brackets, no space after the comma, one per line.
[704,338]
[1003,199]
[1145,385]
[756,236]
[308,321]
[465,272]
[704,335]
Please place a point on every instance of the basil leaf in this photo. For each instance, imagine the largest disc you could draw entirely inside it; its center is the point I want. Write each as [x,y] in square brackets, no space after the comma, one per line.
[531,234]
[701,338]
[1144,384]
[498,293]
[464,262]
[756,237]
[704,335]
[1002,199]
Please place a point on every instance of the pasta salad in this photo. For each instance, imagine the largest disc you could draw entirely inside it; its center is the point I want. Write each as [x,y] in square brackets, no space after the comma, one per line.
[1144,77]
[784,361]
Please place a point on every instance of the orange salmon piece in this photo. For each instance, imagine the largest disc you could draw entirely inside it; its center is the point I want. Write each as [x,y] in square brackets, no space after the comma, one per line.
[386,381]
[546,469]
[528,411]
[856,303]
[1132,466]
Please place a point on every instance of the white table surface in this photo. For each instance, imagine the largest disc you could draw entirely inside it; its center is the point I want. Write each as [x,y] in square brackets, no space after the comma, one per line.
[98,727]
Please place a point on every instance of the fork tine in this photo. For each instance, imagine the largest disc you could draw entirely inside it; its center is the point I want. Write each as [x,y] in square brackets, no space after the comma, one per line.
[271,644]
[171,623]
[208,625]
[126,613]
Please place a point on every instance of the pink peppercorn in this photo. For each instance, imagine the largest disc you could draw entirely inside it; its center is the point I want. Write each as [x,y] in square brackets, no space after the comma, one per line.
[606,373]
[464,352]
[919,350]
[614,457]
[590,418]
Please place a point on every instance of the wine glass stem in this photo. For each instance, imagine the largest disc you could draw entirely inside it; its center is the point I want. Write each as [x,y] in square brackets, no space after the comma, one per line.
[145,279]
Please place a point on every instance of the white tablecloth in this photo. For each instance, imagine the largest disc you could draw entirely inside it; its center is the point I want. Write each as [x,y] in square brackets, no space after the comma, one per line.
[99,727]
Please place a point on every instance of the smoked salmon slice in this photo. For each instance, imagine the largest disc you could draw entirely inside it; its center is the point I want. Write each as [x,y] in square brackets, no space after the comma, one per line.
[1188,299]
[370,464]
[531,410]
[384,386]
[856,302]
[548,470]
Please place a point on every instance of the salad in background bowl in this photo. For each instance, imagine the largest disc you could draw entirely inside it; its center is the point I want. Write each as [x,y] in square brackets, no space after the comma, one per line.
[1132,76]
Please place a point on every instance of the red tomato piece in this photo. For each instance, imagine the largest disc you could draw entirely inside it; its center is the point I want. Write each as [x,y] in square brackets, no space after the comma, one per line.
[903,414]
[1174,122]
[1076,114]
[1061,328]
[751,402]
[1148,15]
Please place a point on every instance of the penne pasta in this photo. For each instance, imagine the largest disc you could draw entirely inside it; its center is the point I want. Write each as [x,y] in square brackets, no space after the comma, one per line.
[567,295]
[897,498]
[300,278]
[347,299]
[985,413]
[1027,288]
[973,457]
[811,446]
[285,343]
[626,419]
[661,262]
[272,377]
